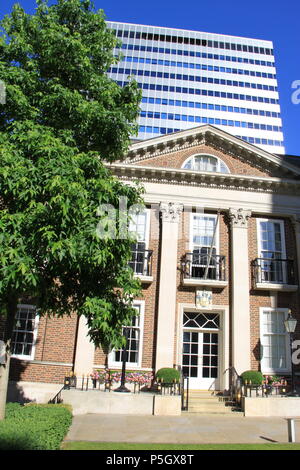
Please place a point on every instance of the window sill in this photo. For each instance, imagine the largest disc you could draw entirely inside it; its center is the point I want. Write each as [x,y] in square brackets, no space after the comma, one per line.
[22,357]
[144,279]
[204,282]
[277,287]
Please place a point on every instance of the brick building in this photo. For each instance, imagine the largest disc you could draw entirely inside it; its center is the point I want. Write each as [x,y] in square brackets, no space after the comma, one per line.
[218,255]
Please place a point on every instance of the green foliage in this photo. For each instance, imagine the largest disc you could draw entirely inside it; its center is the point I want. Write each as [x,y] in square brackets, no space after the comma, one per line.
[63,121]
[34,427]
[167,375]
[54,67]
[254,376]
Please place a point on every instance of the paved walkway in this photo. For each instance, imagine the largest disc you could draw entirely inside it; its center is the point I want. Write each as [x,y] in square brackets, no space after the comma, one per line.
[185,429]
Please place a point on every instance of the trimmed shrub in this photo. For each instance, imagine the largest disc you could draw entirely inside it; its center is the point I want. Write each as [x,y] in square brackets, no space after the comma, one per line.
[34,427]
[254,376]
[167,375]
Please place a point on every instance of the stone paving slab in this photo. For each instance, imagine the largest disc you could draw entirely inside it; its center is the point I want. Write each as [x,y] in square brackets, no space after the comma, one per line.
[184,429]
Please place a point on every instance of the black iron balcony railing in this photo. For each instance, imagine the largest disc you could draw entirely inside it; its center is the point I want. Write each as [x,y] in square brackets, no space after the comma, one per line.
[204,267]
[277,271]
[141,262]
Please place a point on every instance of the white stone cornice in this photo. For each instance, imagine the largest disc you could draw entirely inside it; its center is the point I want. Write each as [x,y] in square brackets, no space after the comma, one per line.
[239,217]
[170,212]
[206,179]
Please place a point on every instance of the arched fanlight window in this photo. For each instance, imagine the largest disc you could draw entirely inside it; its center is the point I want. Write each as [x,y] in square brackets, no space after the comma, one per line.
[205,163]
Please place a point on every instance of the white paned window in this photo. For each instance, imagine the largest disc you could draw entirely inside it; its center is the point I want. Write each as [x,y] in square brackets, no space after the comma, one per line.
[203,246]
[134,344]
[205,163]
[271,238]
[201,320]
[274,340]
[139,226]
[203,227]
[25,332]
[271,250]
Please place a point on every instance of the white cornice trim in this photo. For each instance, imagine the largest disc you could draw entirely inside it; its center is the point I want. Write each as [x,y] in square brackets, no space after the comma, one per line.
[206,134]
[221,180]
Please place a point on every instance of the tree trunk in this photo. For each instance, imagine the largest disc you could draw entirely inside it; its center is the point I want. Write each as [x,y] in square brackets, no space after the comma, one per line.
[4,368]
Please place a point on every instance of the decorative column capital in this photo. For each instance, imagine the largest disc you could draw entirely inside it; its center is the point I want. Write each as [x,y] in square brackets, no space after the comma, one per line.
[239,217]
[170,211]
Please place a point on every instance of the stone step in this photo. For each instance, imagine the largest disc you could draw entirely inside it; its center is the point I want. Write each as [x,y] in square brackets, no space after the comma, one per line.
[207,412]
[206,402]
[208,399]
[200,394]
[217,404]
[206,407]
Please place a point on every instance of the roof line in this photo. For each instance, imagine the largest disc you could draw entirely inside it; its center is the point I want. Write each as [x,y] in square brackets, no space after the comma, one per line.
[192,31]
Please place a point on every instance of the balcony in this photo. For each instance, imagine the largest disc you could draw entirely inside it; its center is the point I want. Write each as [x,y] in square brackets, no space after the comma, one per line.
[200,269]
[141,263]
[274,274]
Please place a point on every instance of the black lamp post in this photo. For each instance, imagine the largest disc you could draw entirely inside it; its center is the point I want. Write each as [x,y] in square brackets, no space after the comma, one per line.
[290,325]
[122,387]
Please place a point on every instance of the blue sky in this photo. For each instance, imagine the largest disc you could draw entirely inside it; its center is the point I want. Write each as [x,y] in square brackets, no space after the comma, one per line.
[263,19]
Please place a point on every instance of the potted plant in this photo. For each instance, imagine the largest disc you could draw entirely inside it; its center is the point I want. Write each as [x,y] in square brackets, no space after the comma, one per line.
[167,377]
[252,377]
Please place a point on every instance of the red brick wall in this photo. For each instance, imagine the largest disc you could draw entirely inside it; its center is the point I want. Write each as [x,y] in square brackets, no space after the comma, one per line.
[177,158]
[260,299]
[54,349]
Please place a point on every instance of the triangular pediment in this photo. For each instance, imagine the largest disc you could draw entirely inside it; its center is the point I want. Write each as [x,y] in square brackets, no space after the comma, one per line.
[170,150]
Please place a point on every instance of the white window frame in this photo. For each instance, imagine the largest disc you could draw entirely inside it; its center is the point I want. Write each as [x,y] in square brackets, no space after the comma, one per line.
[203,215]
[135,365]
[147,213]
[35,332]
[283,245]
[259,241]
[147,227]
[219,162]
[265,368]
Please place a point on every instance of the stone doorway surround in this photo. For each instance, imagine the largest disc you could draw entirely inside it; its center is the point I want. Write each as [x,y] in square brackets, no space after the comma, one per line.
[223,331]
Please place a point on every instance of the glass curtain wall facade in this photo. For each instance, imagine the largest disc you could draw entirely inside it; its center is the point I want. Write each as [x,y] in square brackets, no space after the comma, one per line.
[191,78]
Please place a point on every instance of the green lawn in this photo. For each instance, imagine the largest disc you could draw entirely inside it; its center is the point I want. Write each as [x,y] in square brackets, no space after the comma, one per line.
[85,445]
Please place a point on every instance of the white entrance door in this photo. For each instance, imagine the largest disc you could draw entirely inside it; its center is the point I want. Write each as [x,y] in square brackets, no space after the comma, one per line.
[200,351]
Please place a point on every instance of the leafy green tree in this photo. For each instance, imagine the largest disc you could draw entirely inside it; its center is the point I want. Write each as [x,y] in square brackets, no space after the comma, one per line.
[63,121]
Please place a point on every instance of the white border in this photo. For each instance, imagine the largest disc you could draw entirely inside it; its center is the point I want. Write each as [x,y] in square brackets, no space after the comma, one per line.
[282,227]
[192,157]
[135,365]
[223,331]
[265,370]
[146,211]
[204,214]
[35,332]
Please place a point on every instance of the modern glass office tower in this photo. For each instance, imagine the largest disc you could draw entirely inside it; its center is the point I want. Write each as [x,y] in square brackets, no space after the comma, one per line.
[189,78]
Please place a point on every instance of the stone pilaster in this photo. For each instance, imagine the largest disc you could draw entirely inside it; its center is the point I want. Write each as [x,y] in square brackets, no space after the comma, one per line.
[240,289]
[85,350]
[170,216]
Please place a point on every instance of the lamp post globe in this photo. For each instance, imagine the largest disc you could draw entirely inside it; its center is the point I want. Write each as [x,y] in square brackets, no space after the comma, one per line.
[290,325]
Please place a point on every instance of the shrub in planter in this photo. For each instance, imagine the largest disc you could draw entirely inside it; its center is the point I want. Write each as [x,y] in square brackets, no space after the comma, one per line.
[252,376]
[167,375]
